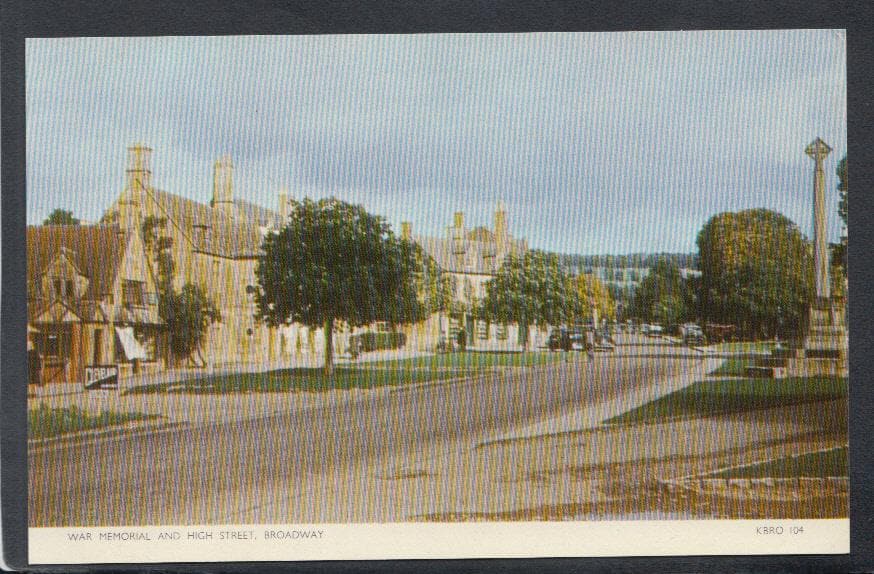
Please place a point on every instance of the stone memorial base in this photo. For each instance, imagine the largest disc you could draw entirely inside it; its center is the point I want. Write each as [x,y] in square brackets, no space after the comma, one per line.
[825,351]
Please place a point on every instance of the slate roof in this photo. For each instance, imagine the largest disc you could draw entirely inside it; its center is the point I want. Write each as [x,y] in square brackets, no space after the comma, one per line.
[228,231]
[95,250]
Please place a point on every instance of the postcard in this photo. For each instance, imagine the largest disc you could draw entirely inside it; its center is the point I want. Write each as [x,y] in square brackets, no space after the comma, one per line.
[338,297]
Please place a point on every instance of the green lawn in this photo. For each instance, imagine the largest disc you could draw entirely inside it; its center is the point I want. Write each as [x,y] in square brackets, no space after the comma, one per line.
[733,367]
[46,422]
[312,380]
[475,361]
[724,396]
[744,347]
[363,375]
[814,465]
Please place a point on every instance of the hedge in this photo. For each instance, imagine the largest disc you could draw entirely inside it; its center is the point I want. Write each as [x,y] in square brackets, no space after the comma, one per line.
[368,342]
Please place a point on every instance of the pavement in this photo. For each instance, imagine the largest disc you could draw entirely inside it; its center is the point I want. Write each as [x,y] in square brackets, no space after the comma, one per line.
[177,408]
[510,444]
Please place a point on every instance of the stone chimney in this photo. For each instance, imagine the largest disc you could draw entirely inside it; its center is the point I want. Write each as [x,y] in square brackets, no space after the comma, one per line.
[283,205]
[139,167]
[456,234]
[406,230]
[501,232]
[223,183]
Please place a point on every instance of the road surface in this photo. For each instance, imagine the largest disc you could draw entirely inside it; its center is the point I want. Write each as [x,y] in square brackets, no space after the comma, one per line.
[325,464]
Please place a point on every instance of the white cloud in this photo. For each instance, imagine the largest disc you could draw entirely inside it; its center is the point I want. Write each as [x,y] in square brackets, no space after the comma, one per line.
[594,140]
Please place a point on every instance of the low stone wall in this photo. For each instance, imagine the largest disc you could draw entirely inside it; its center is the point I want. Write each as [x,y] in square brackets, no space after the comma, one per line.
[765,488]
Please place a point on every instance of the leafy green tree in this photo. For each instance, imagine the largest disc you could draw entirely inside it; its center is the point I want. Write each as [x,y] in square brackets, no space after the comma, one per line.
[839,251]
[61,217]
[333,264]
[188,313]
[757,272]
[531,289]
[663,296]
[436,289]
[591,293]
[842,188]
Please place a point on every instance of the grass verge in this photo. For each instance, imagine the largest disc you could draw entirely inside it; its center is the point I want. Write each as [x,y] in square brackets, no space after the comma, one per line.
[47,422]
[744,347]
[394,372]
[311,380]
[471,360]
[726,396]
[811,465]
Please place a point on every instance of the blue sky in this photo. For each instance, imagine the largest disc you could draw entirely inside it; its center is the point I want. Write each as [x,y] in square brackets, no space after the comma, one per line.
[596,142]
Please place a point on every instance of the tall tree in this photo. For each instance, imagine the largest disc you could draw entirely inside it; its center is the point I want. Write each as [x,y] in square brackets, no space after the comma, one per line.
[592,294]
[756,272]
[842,189]
[663,296]
[334,264]
[61,217]
[186,313]
[839,251]
[531,289]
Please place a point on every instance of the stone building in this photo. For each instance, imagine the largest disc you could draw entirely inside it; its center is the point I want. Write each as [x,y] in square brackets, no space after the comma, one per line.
[471,257]
[216,246]
[90,301]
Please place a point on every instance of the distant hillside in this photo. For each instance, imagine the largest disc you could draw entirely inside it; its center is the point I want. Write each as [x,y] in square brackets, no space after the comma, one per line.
[577,263]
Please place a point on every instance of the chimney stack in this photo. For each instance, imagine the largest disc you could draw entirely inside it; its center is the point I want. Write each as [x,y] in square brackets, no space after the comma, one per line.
[139,167]
[459,220]
[223,183]
[283,205]
[406,230]
[501,222]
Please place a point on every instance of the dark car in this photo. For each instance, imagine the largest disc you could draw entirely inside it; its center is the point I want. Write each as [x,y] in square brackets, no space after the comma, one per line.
[566,340]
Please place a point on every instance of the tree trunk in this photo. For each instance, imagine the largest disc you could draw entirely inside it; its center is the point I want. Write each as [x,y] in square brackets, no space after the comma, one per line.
[329,347]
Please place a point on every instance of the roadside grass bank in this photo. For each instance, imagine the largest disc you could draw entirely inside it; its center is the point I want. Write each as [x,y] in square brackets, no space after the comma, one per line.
[737,366]
[47,422]
[299,379]
[365,375]
[474,360]
[744,347]
[822,464]
[728,396]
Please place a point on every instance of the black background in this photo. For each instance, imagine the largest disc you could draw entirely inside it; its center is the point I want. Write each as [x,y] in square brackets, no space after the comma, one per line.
[22,19]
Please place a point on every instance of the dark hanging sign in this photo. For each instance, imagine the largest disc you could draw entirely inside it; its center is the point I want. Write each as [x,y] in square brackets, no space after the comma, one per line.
[101,377]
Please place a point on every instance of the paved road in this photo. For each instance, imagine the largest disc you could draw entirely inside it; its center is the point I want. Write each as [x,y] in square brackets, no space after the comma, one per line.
[249,471]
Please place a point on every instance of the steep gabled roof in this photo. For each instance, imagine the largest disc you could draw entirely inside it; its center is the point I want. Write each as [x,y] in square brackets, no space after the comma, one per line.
[228,231]
[95,250]
[475,258]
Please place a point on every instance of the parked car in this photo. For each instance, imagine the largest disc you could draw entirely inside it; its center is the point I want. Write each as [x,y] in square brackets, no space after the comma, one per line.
[652,330]
[693,335]
[563,339]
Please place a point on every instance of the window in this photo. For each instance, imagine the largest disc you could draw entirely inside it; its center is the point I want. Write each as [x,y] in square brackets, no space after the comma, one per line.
[68,285]
[132,293]
[51,347]
[482,329]
[501,332]
[57,284]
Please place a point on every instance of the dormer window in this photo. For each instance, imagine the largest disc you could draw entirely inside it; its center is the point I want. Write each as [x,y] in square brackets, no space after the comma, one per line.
[63,288]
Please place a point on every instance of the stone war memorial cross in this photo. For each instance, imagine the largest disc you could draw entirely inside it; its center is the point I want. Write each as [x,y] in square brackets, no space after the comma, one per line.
[826,343]
[825,349]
